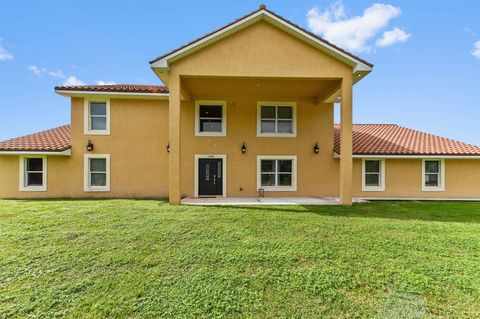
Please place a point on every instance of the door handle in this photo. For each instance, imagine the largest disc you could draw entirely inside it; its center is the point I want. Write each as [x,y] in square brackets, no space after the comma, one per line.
[214,179]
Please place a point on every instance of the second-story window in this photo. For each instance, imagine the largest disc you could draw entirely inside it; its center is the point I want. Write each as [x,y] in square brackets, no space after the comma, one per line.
[97,113]
[98,116]
[210,118]
[276,119]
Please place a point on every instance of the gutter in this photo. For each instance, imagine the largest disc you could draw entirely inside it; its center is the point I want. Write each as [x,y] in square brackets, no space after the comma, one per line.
[66,152]
[336,155]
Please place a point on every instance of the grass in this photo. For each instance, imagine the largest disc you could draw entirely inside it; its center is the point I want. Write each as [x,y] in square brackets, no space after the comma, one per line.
[126,258]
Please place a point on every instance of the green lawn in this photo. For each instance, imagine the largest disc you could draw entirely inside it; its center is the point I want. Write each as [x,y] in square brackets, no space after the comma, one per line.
[126,258]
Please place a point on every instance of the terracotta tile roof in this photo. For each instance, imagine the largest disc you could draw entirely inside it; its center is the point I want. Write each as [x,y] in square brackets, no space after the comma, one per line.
[263,7]
[392,139]
[122,88]
[53,140]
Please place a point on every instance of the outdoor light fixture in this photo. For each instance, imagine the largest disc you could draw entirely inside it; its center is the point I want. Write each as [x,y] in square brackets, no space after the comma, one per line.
[244,148]
[316,148]
[168,148]
[89,146]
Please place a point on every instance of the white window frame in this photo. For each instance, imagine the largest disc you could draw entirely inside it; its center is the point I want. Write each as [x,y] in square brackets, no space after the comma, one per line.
[86,173]
[197,117]
[381,186]
[441,180]
[197,158]
[22,185]
[293,105]
[292,188]
[86,107]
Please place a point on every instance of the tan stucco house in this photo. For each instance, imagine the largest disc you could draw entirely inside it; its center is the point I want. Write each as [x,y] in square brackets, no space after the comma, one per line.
[246,110]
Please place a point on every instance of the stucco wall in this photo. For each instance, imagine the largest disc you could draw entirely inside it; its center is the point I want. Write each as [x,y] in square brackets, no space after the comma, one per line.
[59,178]
[137,148]
[403,179]
[317,174]
[261,50]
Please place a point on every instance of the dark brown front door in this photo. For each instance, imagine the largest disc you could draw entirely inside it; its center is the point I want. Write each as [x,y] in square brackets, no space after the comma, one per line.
[210,179]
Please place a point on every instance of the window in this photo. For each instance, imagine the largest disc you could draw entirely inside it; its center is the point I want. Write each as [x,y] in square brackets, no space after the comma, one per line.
[210,118]
[277,173]
[33,174]
[97,117]
[433,178]
[373,175]
[276,119]
[97,172]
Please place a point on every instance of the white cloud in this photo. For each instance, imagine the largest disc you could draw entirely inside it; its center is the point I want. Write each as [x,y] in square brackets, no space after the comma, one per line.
[36,70]
[476,50]
[39,71]
[72,81]
[396,35]
[106,82]
[5,55]
[57,74]
[354,33]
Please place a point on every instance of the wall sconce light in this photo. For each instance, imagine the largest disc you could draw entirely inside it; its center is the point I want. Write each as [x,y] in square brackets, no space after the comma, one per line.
[316,149]
[89,146]
[168,148]
[244,148]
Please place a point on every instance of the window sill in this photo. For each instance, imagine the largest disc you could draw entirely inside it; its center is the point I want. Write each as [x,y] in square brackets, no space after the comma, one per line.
[94,189]
[279,189]
[276,135]
[211,134]
[433,189]
[107,132]
[373,189]
[33,189]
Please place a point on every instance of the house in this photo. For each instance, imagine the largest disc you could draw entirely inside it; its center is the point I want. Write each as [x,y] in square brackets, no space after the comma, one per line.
[244,110]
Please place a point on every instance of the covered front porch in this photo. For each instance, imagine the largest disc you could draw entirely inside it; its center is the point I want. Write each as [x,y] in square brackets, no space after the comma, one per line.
[240,149]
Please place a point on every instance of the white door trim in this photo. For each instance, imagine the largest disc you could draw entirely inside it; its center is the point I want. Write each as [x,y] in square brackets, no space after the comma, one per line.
[223,157]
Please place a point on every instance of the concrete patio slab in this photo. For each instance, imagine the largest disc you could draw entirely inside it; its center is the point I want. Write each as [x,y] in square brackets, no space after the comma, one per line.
[235,201]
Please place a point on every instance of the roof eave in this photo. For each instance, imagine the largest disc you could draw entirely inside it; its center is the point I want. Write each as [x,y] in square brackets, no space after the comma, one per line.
[130,95]
[66,152]
[411,156]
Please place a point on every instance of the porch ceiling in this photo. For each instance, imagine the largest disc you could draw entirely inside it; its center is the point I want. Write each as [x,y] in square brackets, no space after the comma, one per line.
[220,87]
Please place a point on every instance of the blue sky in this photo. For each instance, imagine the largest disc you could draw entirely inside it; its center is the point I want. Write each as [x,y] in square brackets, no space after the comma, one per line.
[426,74]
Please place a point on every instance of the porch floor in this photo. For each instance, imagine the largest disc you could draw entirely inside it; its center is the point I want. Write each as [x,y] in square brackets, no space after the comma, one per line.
[261,201]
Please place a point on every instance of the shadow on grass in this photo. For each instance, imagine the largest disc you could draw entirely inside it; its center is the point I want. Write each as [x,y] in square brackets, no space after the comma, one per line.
[461,212]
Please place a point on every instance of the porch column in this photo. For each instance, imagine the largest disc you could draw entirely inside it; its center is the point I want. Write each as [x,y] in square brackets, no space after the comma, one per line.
[346,142]
[174,117]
